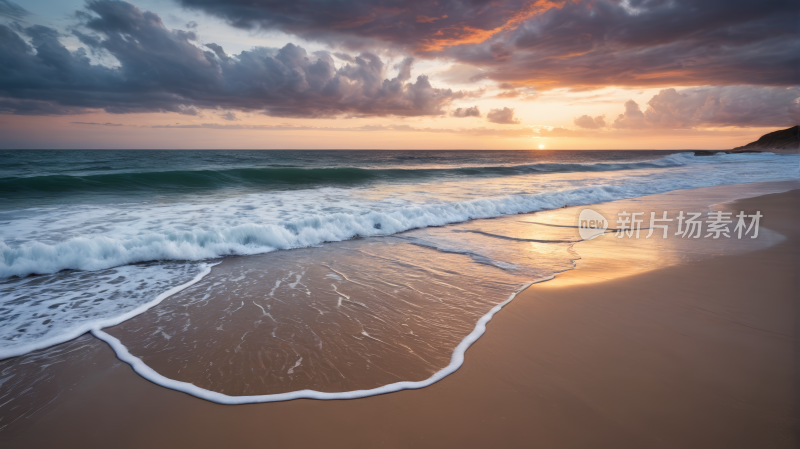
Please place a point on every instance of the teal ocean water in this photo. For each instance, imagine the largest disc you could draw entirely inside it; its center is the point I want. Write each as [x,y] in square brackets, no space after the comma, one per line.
[46,177]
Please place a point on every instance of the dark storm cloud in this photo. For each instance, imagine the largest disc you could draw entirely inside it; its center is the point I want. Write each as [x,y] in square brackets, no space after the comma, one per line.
[165,70]
[714,106]
[503,116]
[652,43]
[558,43]
[424,25]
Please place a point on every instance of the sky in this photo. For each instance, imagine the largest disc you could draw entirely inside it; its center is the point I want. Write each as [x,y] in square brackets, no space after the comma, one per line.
[365,74]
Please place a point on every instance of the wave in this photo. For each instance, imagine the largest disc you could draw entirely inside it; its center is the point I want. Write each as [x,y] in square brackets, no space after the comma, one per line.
[180,242]
[283,176]
[208,242]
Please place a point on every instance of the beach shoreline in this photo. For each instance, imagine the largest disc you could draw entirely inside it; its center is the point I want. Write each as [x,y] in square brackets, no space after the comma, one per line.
[566,364]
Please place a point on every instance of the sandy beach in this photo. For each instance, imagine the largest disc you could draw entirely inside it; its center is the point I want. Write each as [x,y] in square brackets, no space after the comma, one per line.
[690,353]
[369,224]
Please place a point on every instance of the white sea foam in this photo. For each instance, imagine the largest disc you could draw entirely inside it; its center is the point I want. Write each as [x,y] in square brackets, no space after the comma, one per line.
[99,252]
[68,327]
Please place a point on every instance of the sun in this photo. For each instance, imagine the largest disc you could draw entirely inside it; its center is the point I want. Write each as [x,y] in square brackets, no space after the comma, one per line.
[541,147]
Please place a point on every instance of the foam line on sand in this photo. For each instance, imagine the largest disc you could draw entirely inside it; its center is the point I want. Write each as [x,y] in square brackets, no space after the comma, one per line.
[455,363]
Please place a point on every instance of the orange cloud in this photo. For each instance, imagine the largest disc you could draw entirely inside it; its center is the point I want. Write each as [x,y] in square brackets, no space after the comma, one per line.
[461,33]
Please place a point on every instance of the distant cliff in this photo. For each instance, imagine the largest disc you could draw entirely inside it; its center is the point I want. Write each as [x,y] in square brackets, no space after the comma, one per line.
[783,141]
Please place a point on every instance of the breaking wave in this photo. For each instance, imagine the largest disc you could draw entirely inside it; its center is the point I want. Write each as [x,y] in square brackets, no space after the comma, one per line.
[171,241]
[206,242]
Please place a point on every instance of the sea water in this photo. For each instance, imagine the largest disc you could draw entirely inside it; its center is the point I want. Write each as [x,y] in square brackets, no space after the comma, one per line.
[279,274]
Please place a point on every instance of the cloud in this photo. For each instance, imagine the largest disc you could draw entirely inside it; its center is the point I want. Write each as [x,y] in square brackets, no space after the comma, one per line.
[229,116]
[35,107]
[585,121]
[344,57]
[166,70]
[189,110]
[741,106]
[461,74]
[678,42]
[521,94]
[466,112]
[556,43]
[12,10]
[632,118]
[425,26]
[218,51]
[500,51]
[503,116]
[470,94]
[723,106]
[513,93]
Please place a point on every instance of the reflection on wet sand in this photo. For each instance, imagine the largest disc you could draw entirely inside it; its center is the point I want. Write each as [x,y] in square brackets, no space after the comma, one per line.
[612,257]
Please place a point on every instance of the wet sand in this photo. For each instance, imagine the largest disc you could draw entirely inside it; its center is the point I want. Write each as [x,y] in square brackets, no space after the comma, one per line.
[697,354]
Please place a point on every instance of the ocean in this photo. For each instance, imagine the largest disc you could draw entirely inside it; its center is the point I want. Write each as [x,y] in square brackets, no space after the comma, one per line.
[250,276]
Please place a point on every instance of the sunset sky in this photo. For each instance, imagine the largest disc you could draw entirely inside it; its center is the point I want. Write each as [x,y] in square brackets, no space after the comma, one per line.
[573,74]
